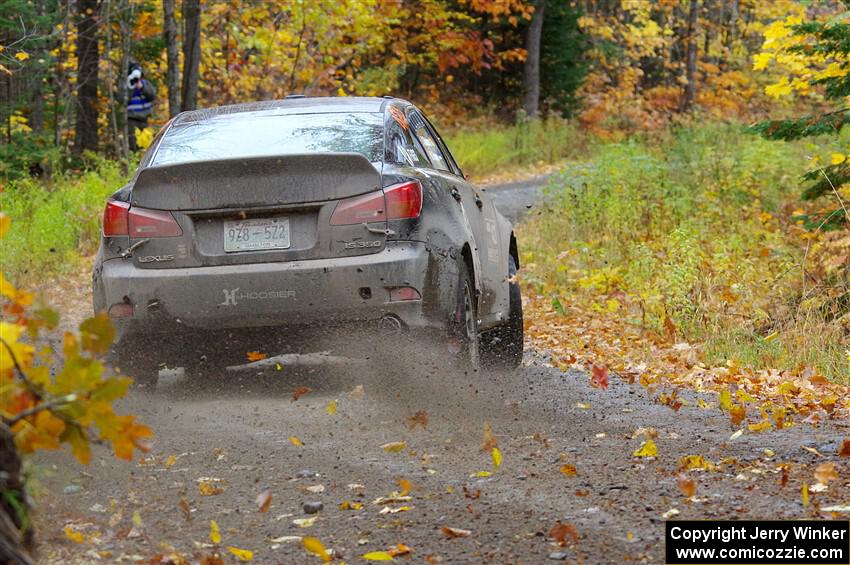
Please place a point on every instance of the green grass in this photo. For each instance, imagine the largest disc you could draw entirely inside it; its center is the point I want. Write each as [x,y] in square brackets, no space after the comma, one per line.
[54,224]
[496,149]
[692,226]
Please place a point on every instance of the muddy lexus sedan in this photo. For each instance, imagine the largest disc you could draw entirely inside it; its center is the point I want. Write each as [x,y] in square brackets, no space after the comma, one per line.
[246,224]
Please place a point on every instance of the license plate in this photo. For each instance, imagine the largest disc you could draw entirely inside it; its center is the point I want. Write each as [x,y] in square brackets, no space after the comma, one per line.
[256,235]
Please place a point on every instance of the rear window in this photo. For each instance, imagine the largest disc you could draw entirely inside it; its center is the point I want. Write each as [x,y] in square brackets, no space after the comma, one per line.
[249,134]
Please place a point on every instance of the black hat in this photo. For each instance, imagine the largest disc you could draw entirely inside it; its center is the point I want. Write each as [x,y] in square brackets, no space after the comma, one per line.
[133,66]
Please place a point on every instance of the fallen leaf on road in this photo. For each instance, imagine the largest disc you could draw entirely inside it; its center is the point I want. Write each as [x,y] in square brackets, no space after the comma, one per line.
[255,356]
[315,546]
[184,508]
[295,441]
[74,535]
[209,488]
[497,457]
[804,491]
[241,554]
[170,461]
[812,450]
[357,393]
[690,462]
[348,505]
[300,391]
[488,441]
[583,405]
[599,376]
[137,519]
[285,539]
[737,414]
[843,508]
[392,499]
[404,486]
[647,449]
[826,472]
[818,487]
[394,446]
[736,435]
[844,450]
[264,500]
[725,400]
[388,510]
[670,513]
[418,419]
[331,407]
[759,427]
[568,470]
[483,474]
[455,532]
[377,556]
[215,533]
[686,485]
[560,532]
[305,522]
[315,489]
[398,550]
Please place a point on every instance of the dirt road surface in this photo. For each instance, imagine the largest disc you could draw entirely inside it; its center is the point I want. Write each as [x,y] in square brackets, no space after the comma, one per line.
[233,434]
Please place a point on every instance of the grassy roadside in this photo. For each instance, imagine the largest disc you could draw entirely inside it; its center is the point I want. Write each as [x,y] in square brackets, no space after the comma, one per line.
[687,238]
[56,223]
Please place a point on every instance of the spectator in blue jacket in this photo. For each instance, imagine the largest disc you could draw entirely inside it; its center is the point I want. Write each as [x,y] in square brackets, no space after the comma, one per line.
[140,97]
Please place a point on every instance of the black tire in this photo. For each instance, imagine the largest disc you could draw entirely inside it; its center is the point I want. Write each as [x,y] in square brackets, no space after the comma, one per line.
[503,346]
[465,323]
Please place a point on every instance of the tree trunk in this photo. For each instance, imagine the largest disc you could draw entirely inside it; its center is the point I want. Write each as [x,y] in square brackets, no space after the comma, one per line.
[86,137]
[173,73]
[191,53]
[531,70]
[16,537]
[691,58]
[125,26]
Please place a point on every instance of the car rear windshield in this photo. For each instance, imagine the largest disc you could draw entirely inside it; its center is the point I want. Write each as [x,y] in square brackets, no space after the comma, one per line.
[249,134]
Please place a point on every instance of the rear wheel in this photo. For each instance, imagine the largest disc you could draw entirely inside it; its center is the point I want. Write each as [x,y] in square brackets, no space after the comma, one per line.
[503,346]
[465,327]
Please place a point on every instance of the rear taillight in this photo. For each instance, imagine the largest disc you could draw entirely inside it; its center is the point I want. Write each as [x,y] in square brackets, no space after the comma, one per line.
[360,209]
[396,202]
[152,223]
[115,218]
[404,200]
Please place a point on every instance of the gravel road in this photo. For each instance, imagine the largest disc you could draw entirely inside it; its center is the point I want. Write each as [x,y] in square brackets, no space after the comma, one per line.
[235,432]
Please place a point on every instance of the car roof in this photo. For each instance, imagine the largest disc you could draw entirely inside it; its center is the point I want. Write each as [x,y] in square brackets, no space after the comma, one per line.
[293,105]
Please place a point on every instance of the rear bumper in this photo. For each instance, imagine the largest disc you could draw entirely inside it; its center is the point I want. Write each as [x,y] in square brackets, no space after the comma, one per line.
[320,291]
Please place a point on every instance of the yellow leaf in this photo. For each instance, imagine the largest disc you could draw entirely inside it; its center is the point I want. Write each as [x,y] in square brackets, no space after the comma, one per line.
[331,407]
[805,493]
[394,446]
[483,474]
[497,457]
[295,441]
[241,554]
[170,461]
[377,556]
[837,158]
[137,519]
[209,489]
[74,535]
[568,470]
[215,533]
[405,486]
[760,427]
[255,356]
[725,400]
[22,56]
[647,449]
[314,546]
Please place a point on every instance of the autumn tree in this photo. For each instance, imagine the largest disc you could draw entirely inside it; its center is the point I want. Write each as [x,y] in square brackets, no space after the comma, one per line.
[191,53]
[531,69]
[88,23]
[42,408]
[813,56]
[173,64]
